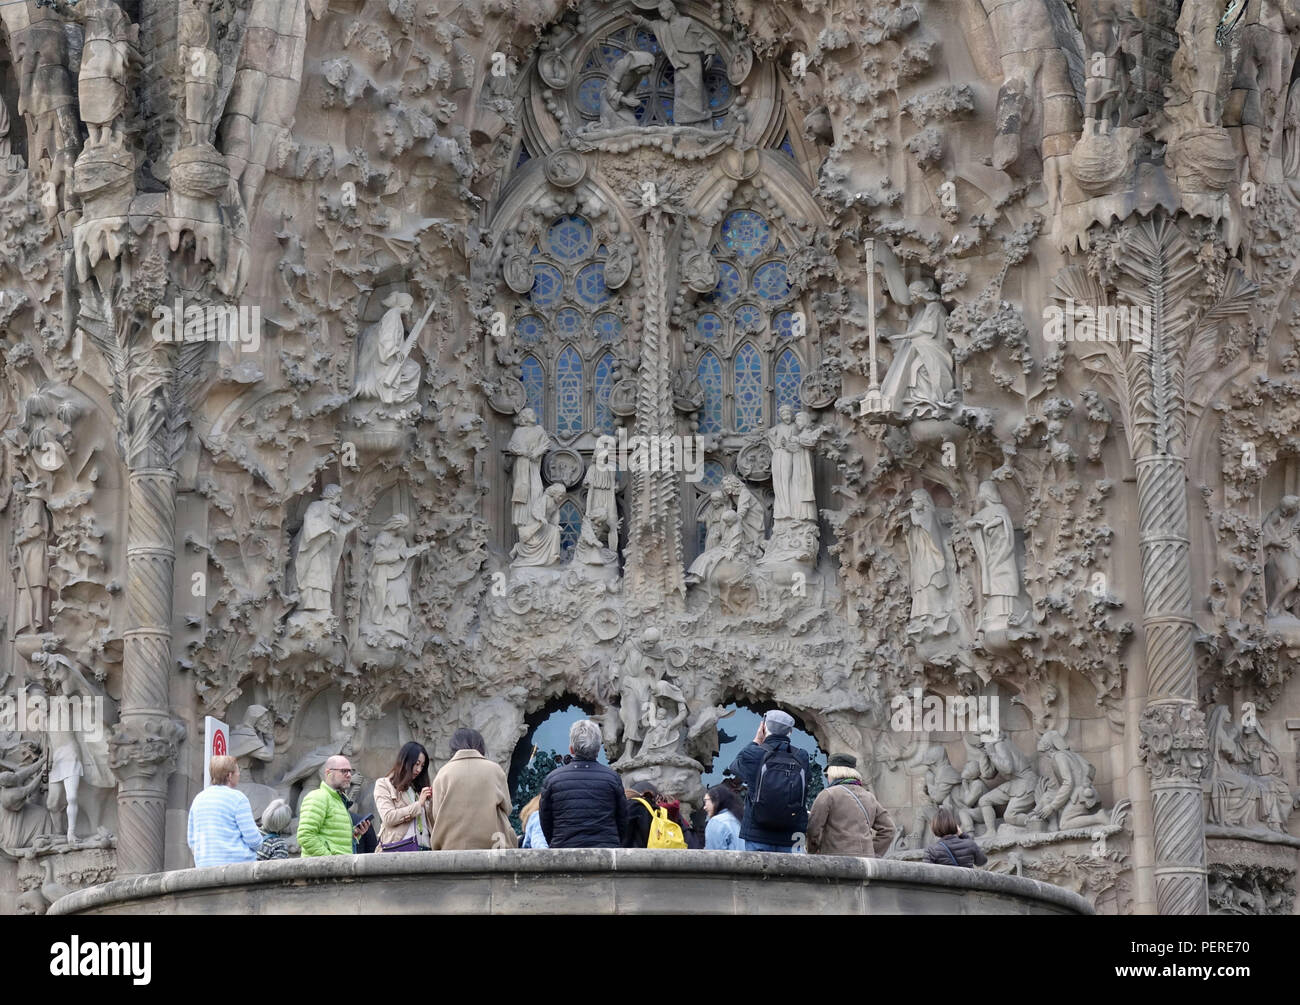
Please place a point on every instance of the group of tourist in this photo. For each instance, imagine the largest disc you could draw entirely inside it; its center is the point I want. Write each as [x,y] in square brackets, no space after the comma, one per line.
[582,804]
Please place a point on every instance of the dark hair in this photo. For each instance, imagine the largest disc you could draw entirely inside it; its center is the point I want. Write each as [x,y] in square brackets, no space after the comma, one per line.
[403,774]
[468,739]
[726,798]
[944,823]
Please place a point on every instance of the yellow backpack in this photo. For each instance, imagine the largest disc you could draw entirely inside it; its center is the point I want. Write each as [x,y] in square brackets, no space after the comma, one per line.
[663,832]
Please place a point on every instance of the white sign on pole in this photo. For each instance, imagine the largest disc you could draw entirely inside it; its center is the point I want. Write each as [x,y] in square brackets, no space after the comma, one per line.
[216,743]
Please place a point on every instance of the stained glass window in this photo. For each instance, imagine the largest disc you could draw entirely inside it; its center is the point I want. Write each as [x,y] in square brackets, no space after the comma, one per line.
[608,327]
[570,238]
[787,147]
[568,323]
[534,380]
[529,330]
[785,326]
[568,393]
[728,287]
[589,96]
[746,233]
[523,158]
[712,476]
[748,318]
[709,372]
[709,326]
[570,526]
[591,286]
[788,375]
[771,281]
[548,285]
[749,389]
[604,384]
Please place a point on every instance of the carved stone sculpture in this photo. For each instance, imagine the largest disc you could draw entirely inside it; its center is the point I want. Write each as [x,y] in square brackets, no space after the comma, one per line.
[1245,780]
[618,101]
[1068,789]
[688,47]
[528,445]
[385,371]
[386,612]
[539,539]
[994,539]
[601,480]
[320,547]
[919,381]
[1015,793]
[31,559]
[1281,543]
[928,570]
[254,738]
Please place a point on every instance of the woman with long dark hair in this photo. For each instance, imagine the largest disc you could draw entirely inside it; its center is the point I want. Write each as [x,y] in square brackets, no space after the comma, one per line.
[725,809]
[402,800]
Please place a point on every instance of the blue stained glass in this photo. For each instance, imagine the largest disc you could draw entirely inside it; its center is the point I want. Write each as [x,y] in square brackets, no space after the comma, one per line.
[568,323]
[719,90]
[548,285]
[529,330]
[771,281]
[608,327]
[728,287]
[611,54]
[709,372]
[646,42]
[604,423]
[570,526]
[534,381]
[748,318]
[569,238]
[712,476]
[788,375]
[590,284]
[701,533]
[589,95]
[787,147]
[568,393]
[783,324]
[523,158]
[709,326]
[666,109]
[749,389]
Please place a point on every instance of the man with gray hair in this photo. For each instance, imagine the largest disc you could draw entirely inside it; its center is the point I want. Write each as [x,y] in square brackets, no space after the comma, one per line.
[582,803]
[776,785]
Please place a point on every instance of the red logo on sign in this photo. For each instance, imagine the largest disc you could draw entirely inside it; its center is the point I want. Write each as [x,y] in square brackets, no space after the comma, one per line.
[218,744]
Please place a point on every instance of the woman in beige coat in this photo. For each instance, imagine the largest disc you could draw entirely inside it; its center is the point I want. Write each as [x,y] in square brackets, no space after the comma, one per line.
[403,801]
[846,819]
[471,800]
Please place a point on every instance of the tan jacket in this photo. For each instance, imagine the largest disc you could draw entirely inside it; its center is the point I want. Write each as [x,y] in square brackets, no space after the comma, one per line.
[396,814]
[839,824]
[471,804]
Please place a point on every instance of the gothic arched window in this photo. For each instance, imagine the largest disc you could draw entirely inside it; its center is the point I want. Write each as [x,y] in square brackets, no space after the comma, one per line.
[604,421]
[534,380]
[568,393]
[570,526]
[786,378]
[749,389]
[709,372]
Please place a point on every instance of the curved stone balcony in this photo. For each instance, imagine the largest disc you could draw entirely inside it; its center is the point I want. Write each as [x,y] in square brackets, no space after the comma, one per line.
[575,881]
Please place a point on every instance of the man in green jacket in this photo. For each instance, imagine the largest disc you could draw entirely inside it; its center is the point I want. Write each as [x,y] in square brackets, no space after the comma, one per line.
[324,824]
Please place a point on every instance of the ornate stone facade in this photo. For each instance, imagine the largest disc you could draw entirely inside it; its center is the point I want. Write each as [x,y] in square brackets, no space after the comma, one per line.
[372,369]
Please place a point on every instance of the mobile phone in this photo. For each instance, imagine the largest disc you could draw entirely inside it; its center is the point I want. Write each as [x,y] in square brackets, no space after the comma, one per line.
[366,819]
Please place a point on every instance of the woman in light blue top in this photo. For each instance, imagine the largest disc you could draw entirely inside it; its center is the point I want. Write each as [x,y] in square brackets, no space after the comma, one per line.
[532,820]
[724,807]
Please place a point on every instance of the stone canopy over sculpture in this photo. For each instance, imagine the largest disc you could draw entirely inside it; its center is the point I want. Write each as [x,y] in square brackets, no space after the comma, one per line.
[569,313]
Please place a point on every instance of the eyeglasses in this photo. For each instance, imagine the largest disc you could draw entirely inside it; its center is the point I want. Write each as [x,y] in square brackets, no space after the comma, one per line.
[343,771]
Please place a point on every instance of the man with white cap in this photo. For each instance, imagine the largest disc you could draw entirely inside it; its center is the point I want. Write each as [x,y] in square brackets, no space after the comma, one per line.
[775,774]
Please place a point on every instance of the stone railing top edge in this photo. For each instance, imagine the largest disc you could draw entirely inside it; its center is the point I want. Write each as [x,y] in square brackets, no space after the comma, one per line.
[574,860]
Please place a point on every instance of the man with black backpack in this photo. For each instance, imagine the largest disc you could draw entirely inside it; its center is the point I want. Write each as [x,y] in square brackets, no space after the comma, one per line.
[776,784]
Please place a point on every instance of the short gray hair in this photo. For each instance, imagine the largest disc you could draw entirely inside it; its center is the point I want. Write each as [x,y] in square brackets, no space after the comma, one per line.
[276,816]
[584,739]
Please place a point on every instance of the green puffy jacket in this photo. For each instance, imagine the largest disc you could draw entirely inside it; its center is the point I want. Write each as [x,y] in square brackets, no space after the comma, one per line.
[324,824]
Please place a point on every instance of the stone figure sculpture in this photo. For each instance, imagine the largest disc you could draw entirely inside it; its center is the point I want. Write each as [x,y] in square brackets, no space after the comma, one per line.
[601,480]
[618,100]
[540,539]
[637,673]
[931,615]
[919,382]
[1245,782]
[1281,543]
[792,467]
[722,565]
[528,445]
[940,780]
[386,611]
[24,817]
[254,738]
[31,562]
[1067,789]
[750,517]
[320,547]
[1016,791]
[385,371]
[75,754]
[688,47]
[108,51]
[590,549]
[202,74]
[994,539]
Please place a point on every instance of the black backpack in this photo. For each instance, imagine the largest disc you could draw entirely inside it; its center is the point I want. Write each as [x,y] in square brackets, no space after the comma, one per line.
[780,790]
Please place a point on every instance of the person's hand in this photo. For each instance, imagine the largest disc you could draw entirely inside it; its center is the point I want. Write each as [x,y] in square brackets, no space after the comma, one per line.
[761,735]
[360,829]
[426,794]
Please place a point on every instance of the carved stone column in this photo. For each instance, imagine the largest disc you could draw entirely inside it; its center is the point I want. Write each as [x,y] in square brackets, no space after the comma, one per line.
[144,745]
[655,578]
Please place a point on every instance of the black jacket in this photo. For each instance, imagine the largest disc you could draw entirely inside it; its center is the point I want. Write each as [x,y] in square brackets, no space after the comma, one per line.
[745,767]
[963,848]
[583,806]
